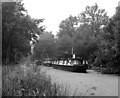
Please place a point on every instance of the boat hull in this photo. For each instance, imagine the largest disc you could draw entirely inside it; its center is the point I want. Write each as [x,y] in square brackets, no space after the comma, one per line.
[74,68]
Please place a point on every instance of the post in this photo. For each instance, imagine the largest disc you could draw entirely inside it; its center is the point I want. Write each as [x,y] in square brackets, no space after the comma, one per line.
[73,55]
[72,43]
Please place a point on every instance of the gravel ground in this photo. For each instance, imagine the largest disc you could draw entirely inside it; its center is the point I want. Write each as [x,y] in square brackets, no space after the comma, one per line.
[84,84]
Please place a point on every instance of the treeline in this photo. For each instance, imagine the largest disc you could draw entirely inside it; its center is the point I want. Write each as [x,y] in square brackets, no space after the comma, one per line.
[93,35]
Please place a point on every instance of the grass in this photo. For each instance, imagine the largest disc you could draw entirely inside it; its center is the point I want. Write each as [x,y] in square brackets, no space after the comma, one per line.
[26,79]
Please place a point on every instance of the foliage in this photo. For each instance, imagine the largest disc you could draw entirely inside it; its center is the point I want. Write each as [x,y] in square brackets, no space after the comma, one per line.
[94,36]
[17,28]
[109,51]
[91,35]
[80,37]
[67,26]
[96,18]
[85,44]
[45,47]
[29,80]
[63,47]
[113,29]
[65,37]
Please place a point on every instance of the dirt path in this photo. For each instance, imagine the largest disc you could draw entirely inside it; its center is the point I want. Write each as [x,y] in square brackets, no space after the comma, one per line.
[85,84]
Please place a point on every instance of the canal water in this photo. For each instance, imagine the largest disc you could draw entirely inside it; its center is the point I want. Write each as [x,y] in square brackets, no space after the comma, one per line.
[84,84]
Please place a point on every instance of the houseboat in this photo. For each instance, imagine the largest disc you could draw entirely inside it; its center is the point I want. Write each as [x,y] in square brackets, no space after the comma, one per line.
[73,65]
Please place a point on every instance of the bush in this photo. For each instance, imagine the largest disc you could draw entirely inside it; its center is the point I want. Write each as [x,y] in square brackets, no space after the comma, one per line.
[110,71]
[22,80]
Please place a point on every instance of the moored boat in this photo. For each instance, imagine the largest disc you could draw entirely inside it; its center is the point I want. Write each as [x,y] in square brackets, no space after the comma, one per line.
[73,65]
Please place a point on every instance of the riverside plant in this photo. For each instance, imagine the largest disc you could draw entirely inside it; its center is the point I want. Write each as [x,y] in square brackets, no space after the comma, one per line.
[26,79]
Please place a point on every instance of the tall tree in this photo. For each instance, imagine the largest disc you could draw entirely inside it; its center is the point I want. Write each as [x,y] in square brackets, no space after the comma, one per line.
[108,54]
[95,17]
[63,46]
[85,44]
[18,30]
[45,47]
[66,34]
[112,37]
[68,26]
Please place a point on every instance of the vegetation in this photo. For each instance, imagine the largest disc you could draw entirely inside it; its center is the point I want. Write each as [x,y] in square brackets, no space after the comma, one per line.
[91,35]
[17,28]
[19,32]
[44,48]
[25,80]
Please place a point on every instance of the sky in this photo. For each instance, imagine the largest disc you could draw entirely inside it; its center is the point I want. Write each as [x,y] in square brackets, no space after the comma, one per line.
[54,11]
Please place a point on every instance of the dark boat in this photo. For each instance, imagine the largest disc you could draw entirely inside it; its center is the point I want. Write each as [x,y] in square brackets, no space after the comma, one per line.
[74,65]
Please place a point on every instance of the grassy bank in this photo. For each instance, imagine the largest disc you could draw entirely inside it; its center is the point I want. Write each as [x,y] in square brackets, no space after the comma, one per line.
[28,80]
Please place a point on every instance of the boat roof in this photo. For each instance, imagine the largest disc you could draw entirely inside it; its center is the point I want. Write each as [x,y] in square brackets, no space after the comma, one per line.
[78,58]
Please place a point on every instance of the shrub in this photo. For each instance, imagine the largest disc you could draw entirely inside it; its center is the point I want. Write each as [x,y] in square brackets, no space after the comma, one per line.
[22,80]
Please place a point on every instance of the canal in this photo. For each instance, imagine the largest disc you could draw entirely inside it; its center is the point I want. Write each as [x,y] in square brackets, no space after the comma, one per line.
[84,84]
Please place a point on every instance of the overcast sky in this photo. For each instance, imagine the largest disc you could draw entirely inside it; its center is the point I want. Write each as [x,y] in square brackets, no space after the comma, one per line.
[54,11]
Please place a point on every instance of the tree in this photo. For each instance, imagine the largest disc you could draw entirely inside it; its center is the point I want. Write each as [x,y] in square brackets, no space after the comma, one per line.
[18,30]
[65,36]
[112,37]
[108,54]
[68,26]
[95,18]
[63,46]
[76,37]
[85,44]
[45,47]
